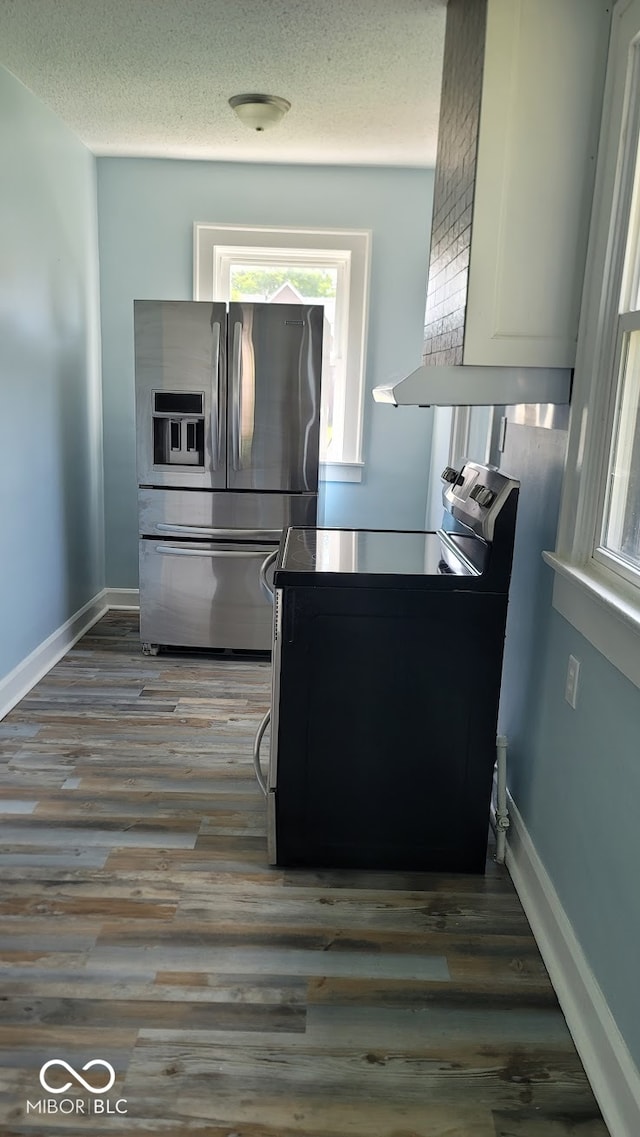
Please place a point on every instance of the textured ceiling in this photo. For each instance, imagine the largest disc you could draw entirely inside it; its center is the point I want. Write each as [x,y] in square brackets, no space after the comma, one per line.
[152,77]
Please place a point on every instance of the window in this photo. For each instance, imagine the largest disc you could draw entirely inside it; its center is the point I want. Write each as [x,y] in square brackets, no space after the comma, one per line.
[597,561]
[328,267]
[619,529]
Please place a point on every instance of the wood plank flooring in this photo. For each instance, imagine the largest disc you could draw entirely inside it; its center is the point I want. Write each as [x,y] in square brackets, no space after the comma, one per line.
[141,925]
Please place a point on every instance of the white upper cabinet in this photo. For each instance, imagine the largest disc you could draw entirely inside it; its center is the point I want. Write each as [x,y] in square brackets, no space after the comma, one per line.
[514,180]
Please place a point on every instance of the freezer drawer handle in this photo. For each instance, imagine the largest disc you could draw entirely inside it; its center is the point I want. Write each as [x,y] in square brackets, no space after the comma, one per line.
[171,550]
[227,534]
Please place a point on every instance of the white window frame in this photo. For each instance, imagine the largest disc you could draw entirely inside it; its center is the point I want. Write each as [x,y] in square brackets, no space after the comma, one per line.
[618,428]
[347,250]
[589,589]
[465,441]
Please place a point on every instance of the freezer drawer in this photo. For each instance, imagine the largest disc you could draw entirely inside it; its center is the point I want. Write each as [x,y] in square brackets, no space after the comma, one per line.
[218,516]
[204,594]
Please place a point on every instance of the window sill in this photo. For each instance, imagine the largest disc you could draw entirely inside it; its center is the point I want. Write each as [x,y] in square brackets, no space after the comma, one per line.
[341,471]
[603,611]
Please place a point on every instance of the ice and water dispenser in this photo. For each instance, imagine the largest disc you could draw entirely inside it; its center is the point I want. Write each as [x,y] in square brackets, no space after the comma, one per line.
[178,428]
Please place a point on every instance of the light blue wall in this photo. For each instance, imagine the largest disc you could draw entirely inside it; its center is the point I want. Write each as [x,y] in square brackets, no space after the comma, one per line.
[574,774]
[51,516]
[536,457]
[576,780]
[147,209]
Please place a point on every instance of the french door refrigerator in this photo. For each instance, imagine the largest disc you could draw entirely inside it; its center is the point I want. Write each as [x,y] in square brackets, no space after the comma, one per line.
[227,436]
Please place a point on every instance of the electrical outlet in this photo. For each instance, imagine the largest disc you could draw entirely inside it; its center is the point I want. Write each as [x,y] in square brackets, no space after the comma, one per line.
[571,686]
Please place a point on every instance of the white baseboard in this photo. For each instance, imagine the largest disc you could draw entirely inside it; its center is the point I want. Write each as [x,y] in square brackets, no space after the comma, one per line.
[19,682]
[613,1075]
[123,599]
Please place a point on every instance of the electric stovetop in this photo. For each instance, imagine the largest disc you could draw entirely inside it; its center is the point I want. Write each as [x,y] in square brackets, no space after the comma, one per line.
[376,557]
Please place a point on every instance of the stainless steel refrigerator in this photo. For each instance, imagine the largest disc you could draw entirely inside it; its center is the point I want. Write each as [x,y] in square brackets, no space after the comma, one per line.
[227,433]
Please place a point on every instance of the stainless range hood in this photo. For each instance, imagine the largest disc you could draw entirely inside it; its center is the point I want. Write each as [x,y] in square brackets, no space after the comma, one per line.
[467,386]
[519,115]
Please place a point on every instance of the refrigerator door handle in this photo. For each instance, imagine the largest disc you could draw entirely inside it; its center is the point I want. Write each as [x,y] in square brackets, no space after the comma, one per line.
[219,534]
[172,550]
[236,388]
[215,398]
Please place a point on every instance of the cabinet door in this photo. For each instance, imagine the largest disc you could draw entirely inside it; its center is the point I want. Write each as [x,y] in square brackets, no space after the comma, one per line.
[540,112]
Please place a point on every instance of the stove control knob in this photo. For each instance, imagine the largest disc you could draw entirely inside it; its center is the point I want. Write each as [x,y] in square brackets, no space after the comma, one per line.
[449,474]
[482,495]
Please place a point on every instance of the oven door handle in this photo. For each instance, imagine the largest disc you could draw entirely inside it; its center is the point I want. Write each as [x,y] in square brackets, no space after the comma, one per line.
[256,752]
[264,568]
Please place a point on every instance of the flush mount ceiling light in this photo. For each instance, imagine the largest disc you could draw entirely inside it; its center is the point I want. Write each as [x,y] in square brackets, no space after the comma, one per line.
[259,112]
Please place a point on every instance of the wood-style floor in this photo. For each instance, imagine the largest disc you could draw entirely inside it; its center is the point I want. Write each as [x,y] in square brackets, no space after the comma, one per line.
[141,925]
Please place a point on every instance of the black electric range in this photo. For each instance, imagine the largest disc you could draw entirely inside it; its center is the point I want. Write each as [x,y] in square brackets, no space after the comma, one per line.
[376,557]
[387,660]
